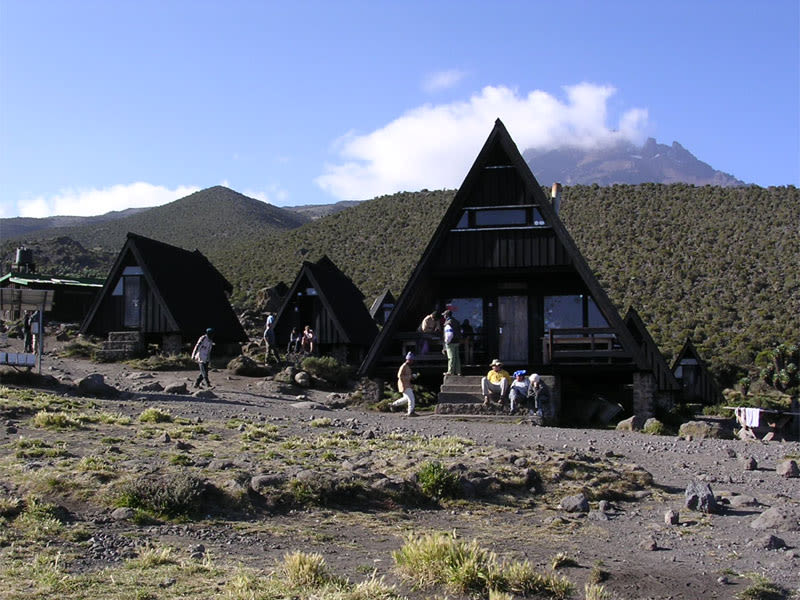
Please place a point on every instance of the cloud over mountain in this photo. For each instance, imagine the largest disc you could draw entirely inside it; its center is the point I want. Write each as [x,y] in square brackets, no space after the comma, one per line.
[432,146]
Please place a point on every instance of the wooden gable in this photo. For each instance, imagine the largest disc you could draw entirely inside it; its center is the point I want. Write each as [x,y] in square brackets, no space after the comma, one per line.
[327,300]
[158,289]
[696,382]
[665,380]
[502,238]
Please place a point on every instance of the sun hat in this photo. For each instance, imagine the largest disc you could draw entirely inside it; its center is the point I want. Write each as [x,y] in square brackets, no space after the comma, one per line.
[210,330]
[520,373]
[410,356]
[535,378]
[496,363]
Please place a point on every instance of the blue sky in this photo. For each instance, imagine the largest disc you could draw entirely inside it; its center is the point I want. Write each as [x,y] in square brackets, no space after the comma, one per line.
[106,105]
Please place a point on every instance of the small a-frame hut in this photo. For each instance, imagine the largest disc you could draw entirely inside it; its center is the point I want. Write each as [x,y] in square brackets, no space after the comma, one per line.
[382,306]
[502,258]
[696,382]
[166,294]
[327,300]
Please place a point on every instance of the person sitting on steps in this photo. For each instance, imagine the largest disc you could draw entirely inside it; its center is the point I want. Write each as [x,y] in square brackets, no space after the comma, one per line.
[497,381]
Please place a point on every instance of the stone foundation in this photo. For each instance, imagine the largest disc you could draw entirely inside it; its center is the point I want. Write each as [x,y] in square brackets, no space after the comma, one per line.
[644,395]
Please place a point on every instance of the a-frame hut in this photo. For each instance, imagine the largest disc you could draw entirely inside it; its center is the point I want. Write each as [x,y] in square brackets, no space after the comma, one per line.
[667,387]
[502,258]
[696,382]
[165,295]
[327,300]
[382,306]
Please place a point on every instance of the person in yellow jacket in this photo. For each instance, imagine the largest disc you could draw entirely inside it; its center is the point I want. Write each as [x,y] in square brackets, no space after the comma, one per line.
[497,381]
[404,376]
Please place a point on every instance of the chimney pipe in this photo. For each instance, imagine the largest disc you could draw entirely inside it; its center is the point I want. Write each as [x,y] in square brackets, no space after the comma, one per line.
[555,196]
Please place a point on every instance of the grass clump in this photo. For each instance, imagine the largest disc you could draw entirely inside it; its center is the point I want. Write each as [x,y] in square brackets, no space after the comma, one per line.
[55,420]
[762,589]
[79,348]
[171,495]
[303,569]
[327,368]
[562,560]
[322,422]
[437,482]
[155,415]
[654,427]
[466,568]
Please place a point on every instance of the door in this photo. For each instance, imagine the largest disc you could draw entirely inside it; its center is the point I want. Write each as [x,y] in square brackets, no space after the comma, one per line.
[512,328]
[132,287]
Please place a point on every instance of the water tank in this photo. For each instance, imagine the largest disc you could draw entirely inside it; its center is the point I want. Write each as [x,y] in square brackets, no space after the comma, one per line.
[24,256]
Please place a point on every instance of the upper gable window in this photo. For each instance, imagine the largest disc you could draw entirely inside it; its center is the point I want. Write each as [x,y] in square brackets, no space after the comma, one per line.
[500,217]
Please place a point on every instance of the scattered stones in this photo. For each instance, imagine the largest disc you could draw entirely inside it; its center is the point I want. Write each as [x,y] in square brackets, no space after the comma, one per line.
[302,379]
[742,501]
[649,543]
[671,517]
[633,423]
[266,480]
[165,438]
[788,468]
[181,445]
[154,386]
[699,497]
[205,394]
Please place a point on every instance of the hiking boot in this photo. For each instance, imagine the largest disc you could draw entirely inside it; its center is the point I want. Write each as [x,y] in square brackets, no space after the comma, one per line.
[412,414]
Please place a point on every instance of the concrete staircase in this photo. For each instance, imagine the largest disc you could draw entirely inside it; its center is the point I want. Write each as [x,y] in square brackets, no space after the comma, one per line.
[121,345]
[461,395]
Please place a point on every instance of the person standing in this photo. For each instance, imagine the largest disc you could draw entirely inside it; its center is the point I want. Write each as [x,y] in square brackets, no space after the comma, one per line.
[518,393]
[467,335]
[428,327]
[496,381]
[269,339]
[26,332]
[404,386]
[294,341]
[452,338]
[202,354]
[37,331]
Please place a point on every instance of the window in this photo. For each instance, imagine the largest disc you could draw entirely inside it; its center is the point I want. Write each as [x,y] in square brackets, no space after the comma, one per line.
[567,312]
[500,216]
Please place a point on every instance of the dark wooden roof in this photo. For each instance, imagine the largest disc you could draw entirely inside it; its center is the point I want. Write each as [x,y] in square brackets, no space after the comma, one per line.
[500,150]
[193,293]
[385,297]
[340,297]
[707,387]
[663,374]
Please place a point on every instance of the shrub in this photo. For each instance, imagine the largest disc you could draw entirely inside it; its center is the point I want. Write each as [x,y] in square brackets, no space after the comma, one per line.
[161,362]
[305,570]
[437,482]
[79,349]
[57,420]
[327,368]
[155,415]
[562,559]
[172,495]
[762,589]
[654,427]
[322,422]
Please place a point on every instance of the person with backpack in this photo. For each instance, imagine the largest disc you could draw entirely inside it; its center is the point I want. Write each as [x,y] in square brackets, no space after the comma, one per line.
[452,342]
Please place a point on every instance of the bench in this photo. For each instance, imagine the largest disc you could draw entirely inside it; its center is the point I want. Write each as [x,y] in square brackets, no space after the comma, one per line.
[18,359]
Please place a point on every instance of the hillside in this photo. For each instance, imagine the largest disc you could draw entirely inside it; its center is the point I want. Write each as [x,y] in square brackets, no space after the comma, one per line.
[625,163]
[209,220]
[20,226]
[717,263]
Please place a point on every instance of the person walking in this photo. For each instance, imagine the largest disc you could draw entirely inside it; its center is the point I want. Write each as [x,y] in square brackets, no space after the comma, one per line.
[404,387]
[202,354]
[269,340]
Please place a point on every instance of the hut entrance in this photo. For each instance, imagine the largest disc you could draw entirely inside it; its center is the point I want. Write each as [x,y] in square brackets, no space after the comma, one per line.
[512,328]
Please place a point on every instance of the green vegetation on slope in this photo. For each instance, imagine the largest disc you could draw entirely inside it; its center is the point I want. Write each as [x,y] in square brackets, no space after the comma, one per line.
[719,264]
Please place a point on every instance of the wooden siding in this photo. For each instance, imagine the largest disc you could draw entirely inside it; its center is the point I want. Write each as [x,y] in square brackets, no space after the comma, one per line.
[502,248]
[498,187]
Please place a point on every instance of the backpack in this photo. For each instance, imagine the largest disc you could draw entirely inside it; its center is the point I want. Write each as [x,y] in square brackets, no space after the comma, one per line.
[456,326]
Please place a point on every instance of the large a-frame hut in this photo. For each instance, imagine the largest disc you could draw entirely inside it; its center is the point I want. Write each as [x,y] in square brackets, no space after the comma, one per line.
[696,382]
[164,295]
[327,300]
[502,259]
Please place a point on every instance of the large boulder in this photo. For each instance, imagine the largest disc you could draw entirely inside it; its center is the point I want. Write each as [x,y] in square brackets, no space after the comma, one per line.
[576,503]
[95,385]
[698,430]
[780,518]
[244,365]
[788,468]
[699,497]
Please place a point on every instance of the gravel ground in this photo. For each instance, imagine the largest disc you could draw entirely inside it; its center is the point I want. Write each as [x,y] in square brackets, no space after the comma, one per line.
[702,556]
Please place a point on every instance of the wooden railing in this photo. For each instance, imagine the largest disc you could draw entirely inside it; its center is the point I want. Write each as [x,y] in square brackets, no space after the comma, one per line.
[582,345]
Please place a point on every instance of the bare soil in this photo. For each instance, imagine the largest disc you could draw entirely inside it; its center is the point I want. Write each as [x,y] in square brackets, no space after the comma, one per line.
[703,556]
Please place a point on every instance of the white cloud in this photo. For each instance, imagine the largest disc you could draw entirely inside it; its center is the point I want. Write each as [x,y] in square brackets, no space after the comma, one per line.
[442,80]
[273,195]
[434,146]
[89,202]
